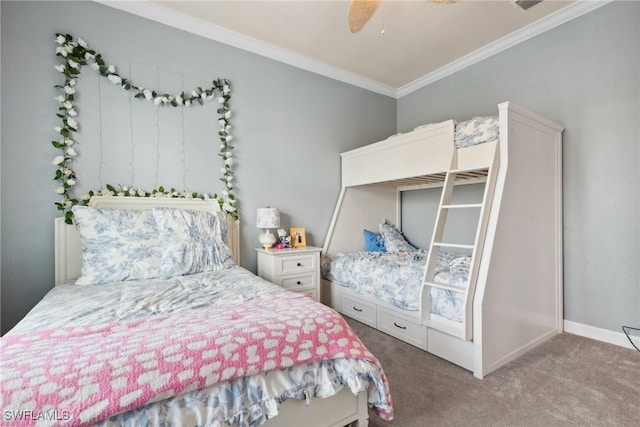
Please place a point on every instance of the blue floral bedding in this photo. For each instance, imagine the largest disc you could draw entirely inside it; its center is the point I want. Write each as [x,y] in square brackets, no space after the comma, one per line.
[247,401]
[396,278]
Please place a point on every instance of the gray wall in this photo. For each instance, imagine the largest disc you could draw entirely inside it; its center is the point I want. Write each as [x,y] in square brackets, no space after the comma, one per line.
[584,75]
[289,127]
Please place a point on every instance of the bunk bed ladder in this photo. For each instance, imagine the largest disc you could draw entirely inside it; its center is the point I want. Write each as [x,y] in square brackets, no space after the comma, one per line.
[464,329]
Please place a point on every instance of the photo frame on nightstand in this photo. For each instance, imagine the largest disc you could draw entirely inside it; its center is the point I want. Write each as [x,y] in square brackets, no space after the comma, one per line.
[298,237]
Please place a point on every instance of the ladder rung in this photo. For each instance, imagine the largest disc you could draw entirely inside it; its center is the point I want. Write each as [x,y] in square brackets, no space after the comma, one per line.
[453,245]
[462,206]
[446,287]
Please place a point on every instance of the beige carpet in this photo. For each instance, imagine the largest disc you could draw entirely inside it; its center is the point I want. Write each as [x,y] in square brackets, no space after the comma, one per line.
[567,381]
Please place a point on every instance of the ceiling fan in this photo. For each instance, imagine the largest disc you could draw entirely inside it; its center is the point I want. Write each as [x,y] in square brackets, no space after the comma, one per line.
[361,11]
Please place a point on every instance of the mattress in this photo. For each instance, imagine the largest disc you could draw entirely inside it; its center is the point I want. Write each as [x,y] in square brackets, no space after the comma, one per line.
[396,278]
[245,401]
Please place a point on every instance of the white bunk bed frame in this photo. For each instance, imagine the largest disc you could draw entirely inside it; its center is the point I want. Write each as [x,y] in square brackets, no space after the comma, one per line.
[514,299]
[343,408]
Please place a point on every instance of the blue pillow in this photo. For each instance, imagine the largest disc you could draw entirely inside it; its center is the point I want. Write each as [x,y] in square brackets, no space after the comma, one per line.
[373,242]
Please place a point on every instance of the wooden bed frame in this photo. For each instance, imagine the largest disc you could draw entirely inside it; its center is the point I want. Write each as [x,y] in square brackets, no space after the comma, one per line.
[339,410]
[514,298]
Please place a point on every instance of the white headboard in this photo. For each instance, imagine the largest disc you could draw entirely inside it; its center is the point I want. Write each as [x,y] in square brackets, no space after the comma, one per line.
[68,249]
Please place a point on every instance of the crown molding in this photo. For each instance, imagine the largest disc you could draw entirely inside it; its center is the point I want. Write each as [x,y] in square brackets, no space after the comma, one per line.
[158,13]
[566,14]
[190,24]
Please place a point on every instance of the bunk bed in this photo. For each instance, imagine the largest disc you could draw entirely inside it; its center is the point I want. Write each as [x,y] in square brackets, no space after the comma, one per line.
[478,303]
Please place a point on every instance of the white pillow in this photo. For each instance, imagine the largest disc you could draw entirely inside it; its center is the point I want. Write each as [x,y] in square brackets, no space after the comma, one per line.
[117,245]
[394,241]
[192,241]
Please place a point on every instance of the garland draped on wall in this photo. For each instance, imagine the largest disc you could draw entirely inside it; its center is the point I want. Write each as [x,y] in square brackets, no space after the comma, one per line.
[75,54]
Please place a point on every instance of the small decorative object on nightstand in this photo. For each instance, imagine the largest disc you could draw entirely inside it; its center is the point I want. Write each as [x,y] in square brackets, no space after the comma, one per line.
[295,269]
[267,218]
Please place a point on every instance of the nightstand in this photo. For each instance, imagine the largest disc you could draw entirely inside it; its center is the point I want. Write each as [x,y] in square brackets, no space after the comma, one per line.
[295,269]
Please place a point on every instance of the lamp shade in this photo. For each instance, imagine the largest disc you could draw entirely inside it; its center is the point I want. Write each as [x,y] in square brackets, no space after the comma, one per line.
[268,218]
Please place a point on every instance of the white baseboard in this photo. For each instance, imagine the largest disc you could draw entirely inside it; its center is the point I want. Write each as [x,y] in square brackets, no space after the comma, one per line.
[605,335]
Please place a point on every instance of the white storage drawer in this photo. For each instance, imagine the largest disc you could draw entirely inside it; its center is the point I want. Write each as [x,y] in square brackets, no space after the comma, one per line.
[296,264]
[451,348]
[298,282]
[401,328]
[362,311]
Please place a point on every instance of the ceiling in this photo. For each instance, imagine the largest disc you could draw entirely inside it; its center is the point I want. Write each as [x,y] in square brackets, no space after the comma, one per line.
[406,44]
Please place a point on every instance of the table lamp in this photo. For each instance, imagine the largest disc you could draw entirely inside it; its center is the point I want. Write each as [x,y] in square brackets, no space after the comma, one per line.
[267,218]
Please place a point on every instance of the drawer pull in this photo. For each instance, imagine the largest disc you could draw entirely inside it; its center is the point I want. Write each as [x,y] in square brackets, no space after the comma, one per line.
[357,309]
[398,326]
[299,265]
[299,282]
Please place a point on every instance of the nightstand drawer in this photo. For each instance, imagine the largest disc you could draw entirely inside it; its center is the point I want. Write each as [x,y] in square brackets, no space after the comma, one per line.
[296,264]
[300,281]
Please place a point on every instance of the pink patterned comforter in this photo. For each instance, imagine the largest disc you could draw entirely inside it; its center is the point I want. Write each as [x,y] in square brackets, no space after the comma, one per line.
[90,373]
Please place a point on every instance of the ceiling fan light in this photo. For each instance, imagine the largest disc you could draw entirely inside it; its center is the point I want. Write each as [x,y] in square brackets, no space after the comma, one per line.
[360,12]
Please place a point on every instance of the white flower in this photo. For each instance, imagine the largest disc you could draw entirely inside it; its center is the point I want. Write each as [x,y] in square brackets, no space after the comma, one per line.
[125,189]
[71,152]
[229,161]
[194,93]
[57,129]
[229,178]
[187,102]
[68,48]
[229,185]
[61,39]
[221,100]
[132,192]
[203,95]
[72,112]
[227,114]
[120,194]
[68,204]
[223,170]
[71,182]
[82,43]
[226,89]
[227,207]
[228,138]
[60,99]
[227,128]
[157,101]
[179,99]
[85,197]
[58,160]
[115,79]
[111,69]
[88,56]
[69,90]
[222,122]
[95,66]
[67,104]
[147,94]
[67,171]
[60,68]
[72,124]
[141,192]
[68,142]
[225,193]
[71,82]
[72,63]
[60,190]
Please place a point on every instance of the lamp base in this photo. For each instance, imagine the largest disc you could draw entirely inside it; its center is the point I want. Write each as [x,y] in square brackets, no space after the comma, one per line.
[267,239]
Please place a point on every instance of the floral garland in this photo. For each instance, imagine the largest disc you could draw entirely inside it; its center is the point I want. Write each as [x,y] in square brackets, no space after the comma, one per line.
[76,54]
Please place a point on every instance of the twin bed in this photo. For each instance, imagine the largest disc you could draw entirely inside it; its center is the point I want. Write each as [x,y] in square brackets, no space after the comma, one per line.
[181,336]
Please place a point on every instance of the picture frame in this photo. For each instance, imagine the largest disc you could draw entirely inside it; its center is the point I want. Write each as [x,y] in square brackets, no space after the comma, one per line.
[298,237]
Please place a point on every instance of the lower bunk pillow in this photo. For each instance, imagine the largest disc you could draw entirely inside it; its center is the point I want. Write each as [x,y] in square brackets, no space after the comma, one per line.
[396,278]
[243,399]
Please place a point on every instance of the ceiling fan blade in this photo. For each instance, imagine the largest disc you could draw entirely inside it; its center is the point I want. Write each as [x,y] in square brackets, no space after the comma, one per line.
[360,12]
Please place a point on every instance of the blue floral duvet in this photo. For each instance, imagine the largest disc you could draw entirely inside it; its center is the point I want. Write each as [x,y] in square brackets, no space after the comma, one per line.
[396,278]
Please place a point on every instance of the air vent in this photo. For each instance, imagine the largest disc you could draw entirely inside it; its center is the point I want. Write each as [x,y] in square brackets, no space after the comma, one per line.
[526,4]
